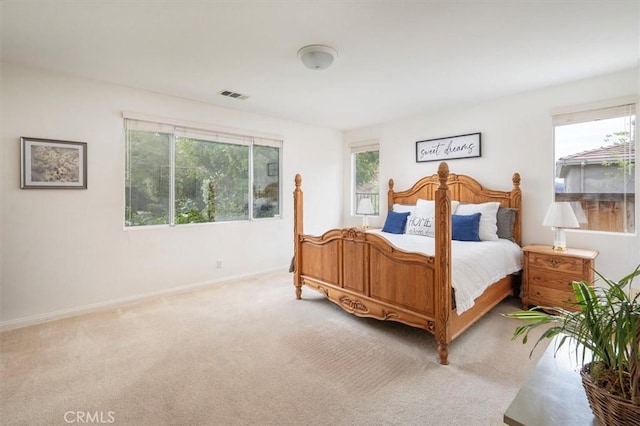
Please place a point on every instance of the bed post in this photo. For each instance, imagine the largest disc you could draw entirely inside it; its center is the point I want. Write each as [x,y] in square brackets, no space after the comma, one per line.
[297,232]
[516,203]
[390,196]
[443,264]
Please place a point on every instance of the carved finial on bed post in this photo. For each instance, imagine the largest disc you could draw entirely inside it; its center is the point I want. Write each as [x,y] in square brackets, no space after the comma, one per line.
[443,174]
[297,231]
[516,180]
[390,196]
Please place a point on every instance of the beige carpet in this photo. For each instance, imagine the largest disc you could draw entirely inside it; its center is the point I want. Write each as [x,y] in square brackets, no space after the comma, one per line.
[249,353]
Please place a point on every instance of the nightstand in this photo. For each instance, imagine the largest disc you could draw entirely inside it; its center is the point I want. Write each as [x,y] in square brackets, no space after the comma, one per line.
[548,274]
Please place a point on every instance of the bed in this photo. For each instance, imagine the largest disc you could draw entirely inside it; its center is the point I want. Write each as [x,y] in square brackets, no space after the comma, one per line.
[368,275]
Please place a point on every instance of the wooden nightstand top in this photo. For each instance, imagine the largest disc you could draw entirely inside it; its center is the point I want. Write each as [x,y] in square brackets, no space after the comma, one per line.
[571,252]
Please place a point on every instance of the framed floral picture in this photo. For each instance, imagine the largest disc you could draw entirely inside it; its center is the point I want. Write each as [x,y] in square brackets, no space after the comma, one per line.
[47,163]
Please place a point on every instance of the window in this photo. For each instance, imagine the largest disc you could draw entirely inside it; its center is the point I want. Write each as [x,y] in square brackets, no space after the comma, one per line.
[595,158]
[178,175]
[365,164]
[266,181]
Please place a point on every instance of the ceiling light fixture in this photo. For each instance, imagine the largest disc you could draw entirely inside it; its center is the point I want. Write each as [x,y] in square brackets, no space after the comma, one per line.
[317,56]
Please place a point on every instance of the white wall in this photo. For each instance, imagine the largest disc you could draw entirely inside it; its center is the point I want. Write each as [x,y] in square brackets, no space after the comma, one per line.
[517,136]
[65,251]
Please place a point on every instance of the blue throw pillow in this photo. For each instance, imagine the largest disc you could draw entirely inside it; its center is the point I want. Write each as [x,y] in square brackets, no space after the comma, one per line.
[395,222]
[465,227]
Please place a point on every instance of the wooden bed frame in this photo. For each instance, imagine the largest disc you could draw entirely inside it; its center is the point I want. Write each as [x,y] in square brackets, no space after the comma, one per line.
[367,276]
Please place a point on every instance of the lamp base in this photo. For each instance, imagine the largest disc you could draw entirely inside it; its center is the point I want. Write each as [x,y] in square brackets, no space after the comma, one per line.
[559,240]
[365,222]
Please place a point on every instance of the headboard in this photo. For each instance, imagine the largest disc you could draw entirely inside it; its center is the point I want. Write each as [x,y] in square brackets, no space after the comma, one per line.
[464,189]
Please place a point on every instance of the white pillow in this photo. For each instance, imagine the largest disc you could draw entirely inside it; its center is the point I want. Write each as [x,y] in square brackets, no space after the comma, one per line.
[488,218]
[420,225]
[427,208]
[403,208]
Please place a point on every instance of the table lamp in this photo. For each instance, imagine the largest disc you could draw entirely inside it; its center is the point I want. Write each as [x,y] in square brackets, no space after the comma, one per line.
[365,208]
[559,216]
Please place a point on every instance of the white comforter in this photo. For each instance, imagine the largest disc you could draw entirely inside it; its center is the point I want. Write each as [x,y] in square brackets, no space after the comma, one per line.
[474,265]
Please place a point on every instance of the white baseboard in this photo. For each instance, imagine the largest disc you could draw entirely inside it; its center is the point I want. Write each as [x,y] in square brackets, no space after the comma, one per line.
[118,303]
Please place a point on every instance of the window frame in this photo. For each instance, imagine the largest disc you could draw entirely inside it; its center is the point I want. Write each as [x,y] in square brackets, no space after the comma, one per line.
[593,112]
[178,128]
[357,148]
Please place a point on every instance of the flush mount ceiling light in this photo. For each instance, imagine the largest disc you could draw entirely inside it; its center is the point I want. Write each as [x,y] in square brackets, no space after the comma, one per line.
[317,56]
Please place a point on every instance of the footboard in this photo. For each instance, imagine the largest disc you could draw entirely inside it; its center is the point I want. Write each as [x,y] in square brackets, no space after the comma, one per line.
[366,276]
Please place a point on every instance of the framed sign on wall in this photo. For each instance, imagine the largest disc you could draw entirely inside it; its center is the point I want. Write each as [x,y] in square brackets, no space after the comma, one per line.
[461,146]
[48,163]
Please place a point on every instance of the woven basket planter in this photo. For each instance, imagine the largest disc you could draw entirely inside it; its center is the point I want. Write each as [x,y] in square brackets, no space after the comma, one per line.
[609,409]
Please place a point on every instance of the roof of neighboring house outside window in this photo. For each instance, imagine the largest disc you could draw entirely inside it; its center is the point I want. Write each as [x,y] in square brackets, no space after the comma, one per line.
[611,153]
[605,153]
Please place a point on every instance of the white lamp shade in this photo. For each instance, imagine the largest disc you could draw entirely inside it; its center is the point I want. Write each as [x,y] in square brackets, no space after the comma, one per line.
[365,207]
[560,215]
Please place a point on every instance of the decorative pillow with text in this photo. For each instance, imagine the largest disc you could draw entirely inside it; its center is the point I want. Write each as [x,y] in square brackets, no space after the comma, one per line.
[421,225]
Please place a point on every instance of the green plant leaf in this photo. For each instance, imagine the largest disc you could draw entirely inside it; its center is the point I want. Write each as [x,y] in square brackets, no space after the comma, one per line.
[603,328]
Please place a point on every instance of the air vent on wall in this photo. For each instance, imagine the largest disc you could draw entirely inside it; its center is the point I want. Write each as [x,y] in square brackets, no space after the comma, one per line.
[234,95]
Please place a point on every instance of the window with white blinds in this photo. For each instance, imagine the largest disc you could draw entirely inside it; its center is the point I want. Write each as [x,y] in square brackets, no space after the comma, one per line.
[178,175]
[595,166]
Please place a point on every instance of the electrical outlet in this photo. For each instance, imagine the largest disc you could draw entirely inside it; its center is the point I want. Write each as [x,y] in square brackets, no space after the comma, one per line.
[219,264]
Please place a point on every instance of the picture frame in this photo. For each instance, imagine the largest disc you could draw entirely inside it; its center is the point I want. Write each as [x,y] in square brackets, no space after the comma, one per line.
[52,164]
[461,146]
[272,169]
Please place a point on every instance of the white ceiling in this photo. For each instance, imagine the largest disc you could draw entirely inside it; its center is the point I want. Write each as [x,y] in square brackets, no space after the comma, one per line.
[395,59]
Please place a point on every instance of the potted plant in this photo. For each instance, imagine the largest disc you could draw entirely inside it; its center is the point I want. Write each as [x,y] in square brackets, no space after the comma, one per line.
[605,331]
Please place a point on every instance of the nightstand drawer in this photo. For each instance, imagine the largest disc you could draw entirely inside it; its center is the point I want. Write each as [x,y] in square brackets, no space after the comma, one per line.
[547,296]
[556,263]
[552,279]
